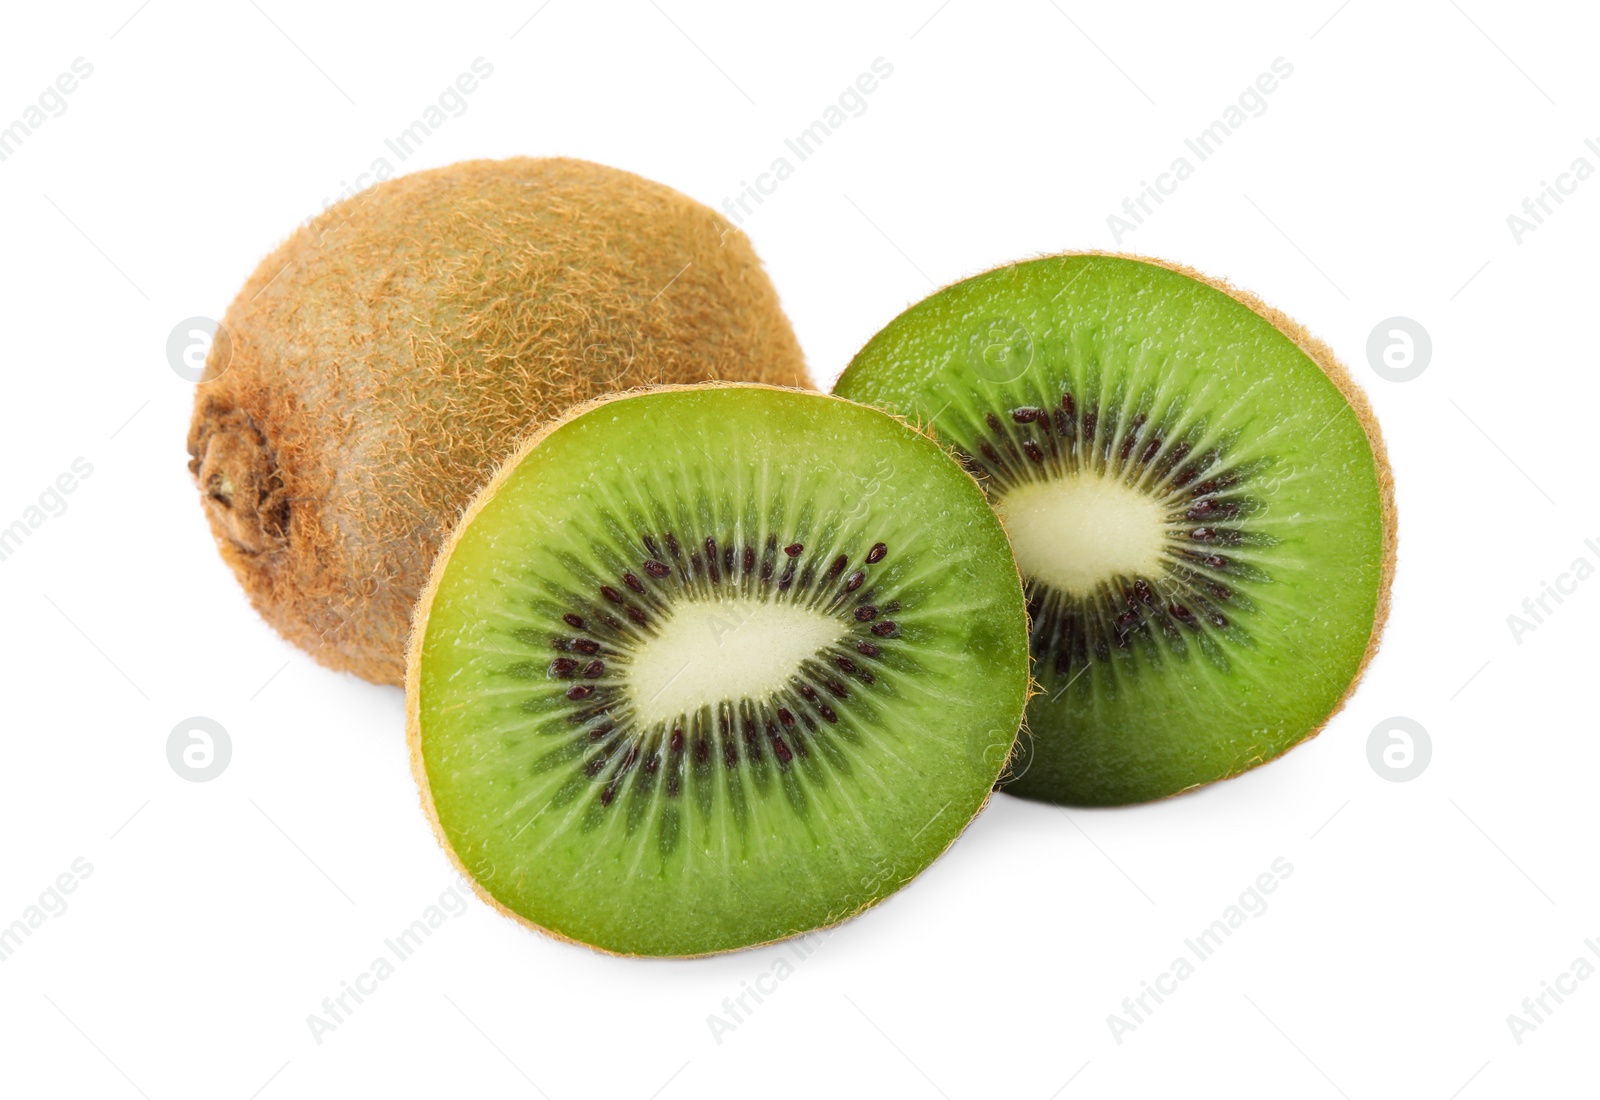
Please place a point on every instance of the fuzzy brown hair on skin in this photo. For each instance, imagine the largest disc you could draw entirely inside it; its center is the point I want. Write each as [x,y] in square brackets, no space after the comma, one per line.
[381,364]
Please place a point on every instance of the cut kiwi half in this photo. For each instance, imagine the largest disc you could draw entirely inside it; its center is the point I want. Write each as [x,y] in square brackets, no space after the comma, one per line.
[704,667]
[1198,498]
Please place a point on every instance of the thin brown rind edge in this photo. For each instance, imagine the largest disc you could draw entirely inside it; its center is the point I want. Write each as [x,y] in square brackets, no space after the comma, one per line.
[419,631]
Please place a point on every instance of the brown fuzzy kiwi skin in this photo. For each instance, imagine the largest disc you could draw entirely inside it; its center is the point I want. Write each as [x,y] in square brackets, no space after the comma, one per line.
[1336,372]
[393,351]
[419,635]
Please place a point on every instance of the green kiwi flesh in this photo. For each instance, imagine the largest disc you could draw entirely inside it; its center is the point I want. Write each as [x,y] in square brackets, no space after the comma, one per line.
[706,667]
[1198,499]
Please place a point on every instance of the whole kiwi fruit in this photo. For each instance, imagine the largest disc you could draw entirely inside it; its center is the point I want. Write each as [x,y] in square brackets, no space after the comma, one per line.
[377,368]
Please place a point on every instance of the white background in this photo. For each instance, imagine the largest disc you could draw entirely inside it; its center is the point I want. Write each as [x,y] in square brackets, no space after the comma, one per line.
[1377,183]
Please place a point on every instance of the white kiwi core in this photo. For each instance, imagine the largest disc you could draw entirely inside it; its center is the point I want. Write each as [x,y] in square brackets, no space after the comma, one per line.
[708,651]
[1074,532]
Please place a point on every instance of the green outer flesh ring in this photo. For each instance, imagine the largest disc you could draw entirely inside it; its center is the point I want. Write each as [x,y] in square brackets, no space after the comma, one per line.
[785,876]
[1077,320]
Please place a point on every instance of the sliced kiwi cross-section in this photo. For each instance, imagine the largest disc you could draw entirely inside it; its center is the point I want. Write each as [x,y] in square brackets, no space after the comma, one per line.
[705,667]
[1197,495]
